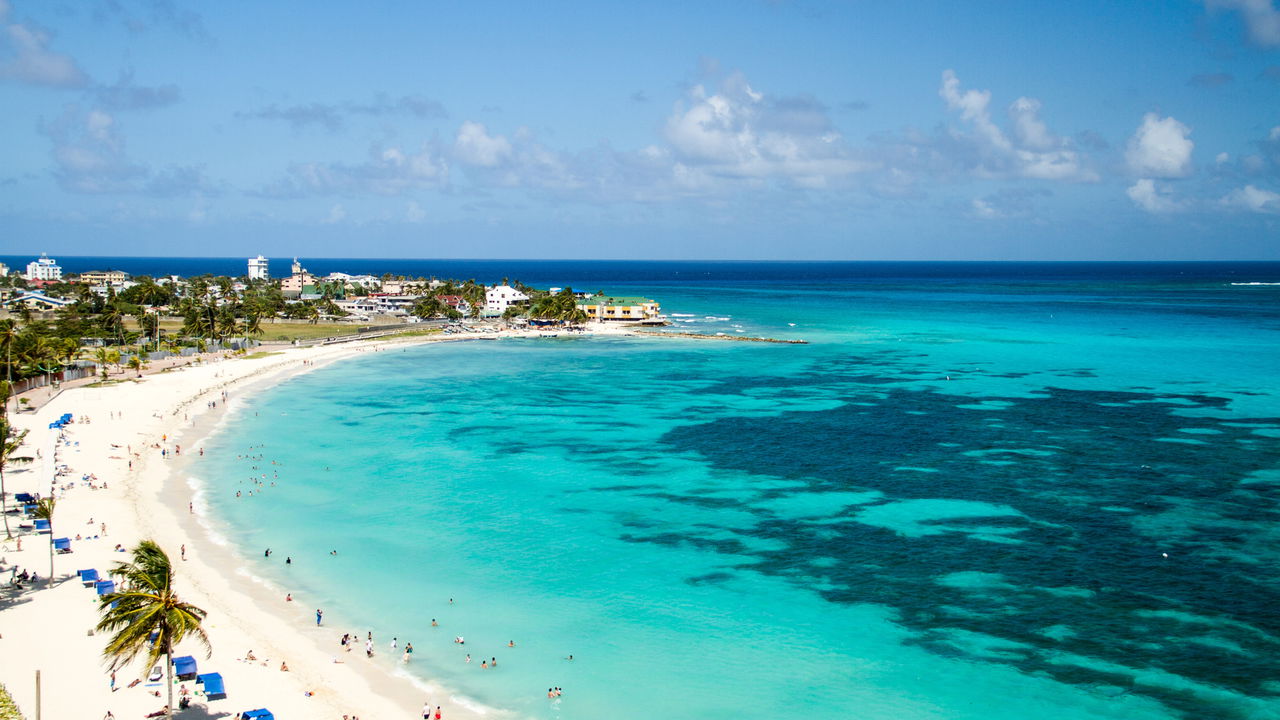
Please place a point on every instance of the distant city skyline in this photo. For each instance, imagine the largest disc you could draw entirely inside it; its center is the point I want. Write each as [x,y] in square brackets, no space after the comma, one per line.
[771,130]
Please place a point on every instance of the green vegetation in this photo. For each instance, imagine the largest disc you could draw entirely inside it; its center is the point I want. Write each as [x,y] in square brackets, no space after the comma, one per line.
[146,603]
[261,354]
[8,708]
[44,511]
[10,442]
[410,333]
[562,306]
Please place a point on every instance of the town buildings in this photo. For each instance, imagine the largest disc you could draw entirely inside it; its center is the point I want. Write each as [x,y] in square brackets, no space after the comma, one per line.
[258,268]
[44,268]
[500,297]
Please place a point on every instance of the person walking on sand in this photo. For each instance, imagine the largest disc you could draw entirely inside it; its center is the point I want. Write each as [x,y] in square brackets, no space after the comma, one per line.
[319,616]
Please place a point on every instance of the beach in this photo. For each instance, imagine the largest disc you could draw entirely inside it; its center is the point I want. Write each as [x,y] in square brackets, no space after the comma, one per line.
[105,502]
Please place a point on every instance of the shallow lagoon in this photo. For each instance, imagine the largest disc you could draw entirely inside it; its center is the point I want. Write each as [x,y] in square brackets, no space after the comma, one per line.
[958,501]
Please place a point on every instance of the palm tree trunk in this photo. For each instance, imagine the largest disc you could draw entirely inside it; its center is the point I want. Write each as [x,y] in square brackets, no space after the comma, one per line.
[4,503]
[50,583]
[168,662]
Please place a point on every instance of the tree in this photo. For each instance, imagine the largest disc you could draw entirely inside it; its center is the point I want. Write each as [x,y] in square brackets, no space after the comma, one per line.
[102,356]
[8,336]
[44,511]
[146,603]
[138,362]
[10,442]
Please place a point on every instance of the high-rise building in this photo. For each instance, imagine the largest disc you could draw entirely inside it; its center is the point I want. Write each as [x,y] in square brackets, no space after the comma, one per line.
[44,268]
[258,268]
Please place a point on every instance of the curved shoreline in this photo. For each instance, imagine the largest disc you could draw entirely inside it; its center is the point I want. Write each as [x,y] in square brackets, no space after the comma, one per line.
[52,626]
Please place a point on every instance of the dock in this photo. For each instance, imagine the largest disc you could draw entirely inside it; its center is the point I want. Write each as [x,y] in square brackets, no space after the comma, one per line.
[732,338]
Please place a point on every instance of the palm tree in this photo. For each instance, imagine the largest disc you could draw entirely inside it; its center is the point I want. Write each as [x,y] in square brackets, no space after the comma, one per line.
[102,356]
[138,362]
[10,441]
[144,604]
[44,511]
[8,336]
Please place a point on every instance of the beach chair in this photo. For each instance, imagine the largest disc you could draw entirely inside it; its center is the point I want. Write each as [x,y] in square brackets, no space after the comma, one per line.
[105,587]
[89,577]
[156,673]
[42,525]
[259,714]
[62,545]
[214,688]
[185,667]
[25,498]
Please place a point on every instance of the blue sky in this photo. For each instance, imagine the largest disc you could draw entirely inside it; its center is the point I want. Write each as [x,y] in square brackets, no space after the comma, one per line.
[705,130]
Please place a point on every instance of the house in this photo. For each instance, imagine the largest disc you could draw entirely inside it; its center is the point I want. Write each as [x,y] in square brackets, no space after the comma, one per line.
[500,297]
[44,268]
[40,301]
[455,302]
[629,309]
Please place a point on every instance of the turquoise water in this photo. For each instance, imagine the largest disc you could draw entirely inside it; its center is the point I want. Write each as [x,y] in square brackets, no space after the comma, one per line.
[968,497]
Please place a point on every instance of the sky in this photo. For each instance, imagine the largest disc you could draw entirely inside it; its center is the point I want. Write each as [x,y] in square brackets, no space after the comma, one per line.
[734,129]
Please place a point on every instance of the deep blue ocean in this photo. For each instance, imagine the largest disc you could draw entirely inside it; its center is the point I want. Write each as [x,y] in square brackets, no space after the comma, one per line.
[980,491]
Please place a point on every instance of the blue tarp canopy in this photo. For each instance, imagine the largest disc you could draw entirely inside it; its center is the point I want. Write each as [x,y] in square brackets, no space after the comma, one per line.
[25,498]
[90,576]
[262,713]
[42,525]
[184,666]
[66,417]
[62,544]
[214,688]
[105,586]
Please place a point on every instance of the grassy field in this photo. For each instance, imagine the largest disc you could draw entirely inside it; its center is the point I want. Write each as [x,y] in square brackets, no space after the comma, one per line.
[282,330]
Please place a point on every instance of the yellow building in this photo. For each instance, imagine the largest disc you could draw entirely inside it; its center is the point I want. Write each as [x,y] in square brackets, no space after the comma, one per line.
[628,309]
[104,277]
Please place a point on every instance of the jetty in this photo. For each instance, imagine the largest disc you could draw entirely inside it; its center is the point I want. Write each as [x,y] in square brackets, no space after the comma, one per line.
[733,338]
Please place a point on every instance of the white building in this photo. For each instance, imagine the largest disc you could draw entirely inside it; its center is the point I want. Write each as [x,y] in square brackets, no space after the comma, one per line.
[500,297]
[44,268]
[258,268]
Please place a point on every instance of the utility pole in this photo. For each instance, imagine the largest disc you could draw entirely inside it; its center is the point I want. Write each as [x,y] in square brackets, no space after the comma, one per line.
[37,695]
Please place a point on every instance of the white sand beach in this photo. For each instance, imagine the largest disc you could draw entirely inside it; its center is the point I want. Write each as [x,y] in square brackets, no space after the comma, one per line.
[50,630]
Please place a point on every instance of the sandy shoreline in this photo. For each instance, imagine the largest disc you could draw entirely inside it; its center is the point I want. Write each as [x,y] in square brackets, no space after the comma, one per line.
[48,629]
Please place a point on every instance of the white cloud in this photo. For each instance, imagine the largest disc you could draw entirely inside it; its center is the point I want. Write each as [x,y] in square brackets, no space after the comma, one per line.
[1222,158]
[1160,148]
[1034,151]
[475,146]
[739,133]
[89,153]
[1147,195]
[337,214]
[1260,17]
[983,209]
[1254,199]
[31,61]
[414,213]
[1028,128]
[387,171]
